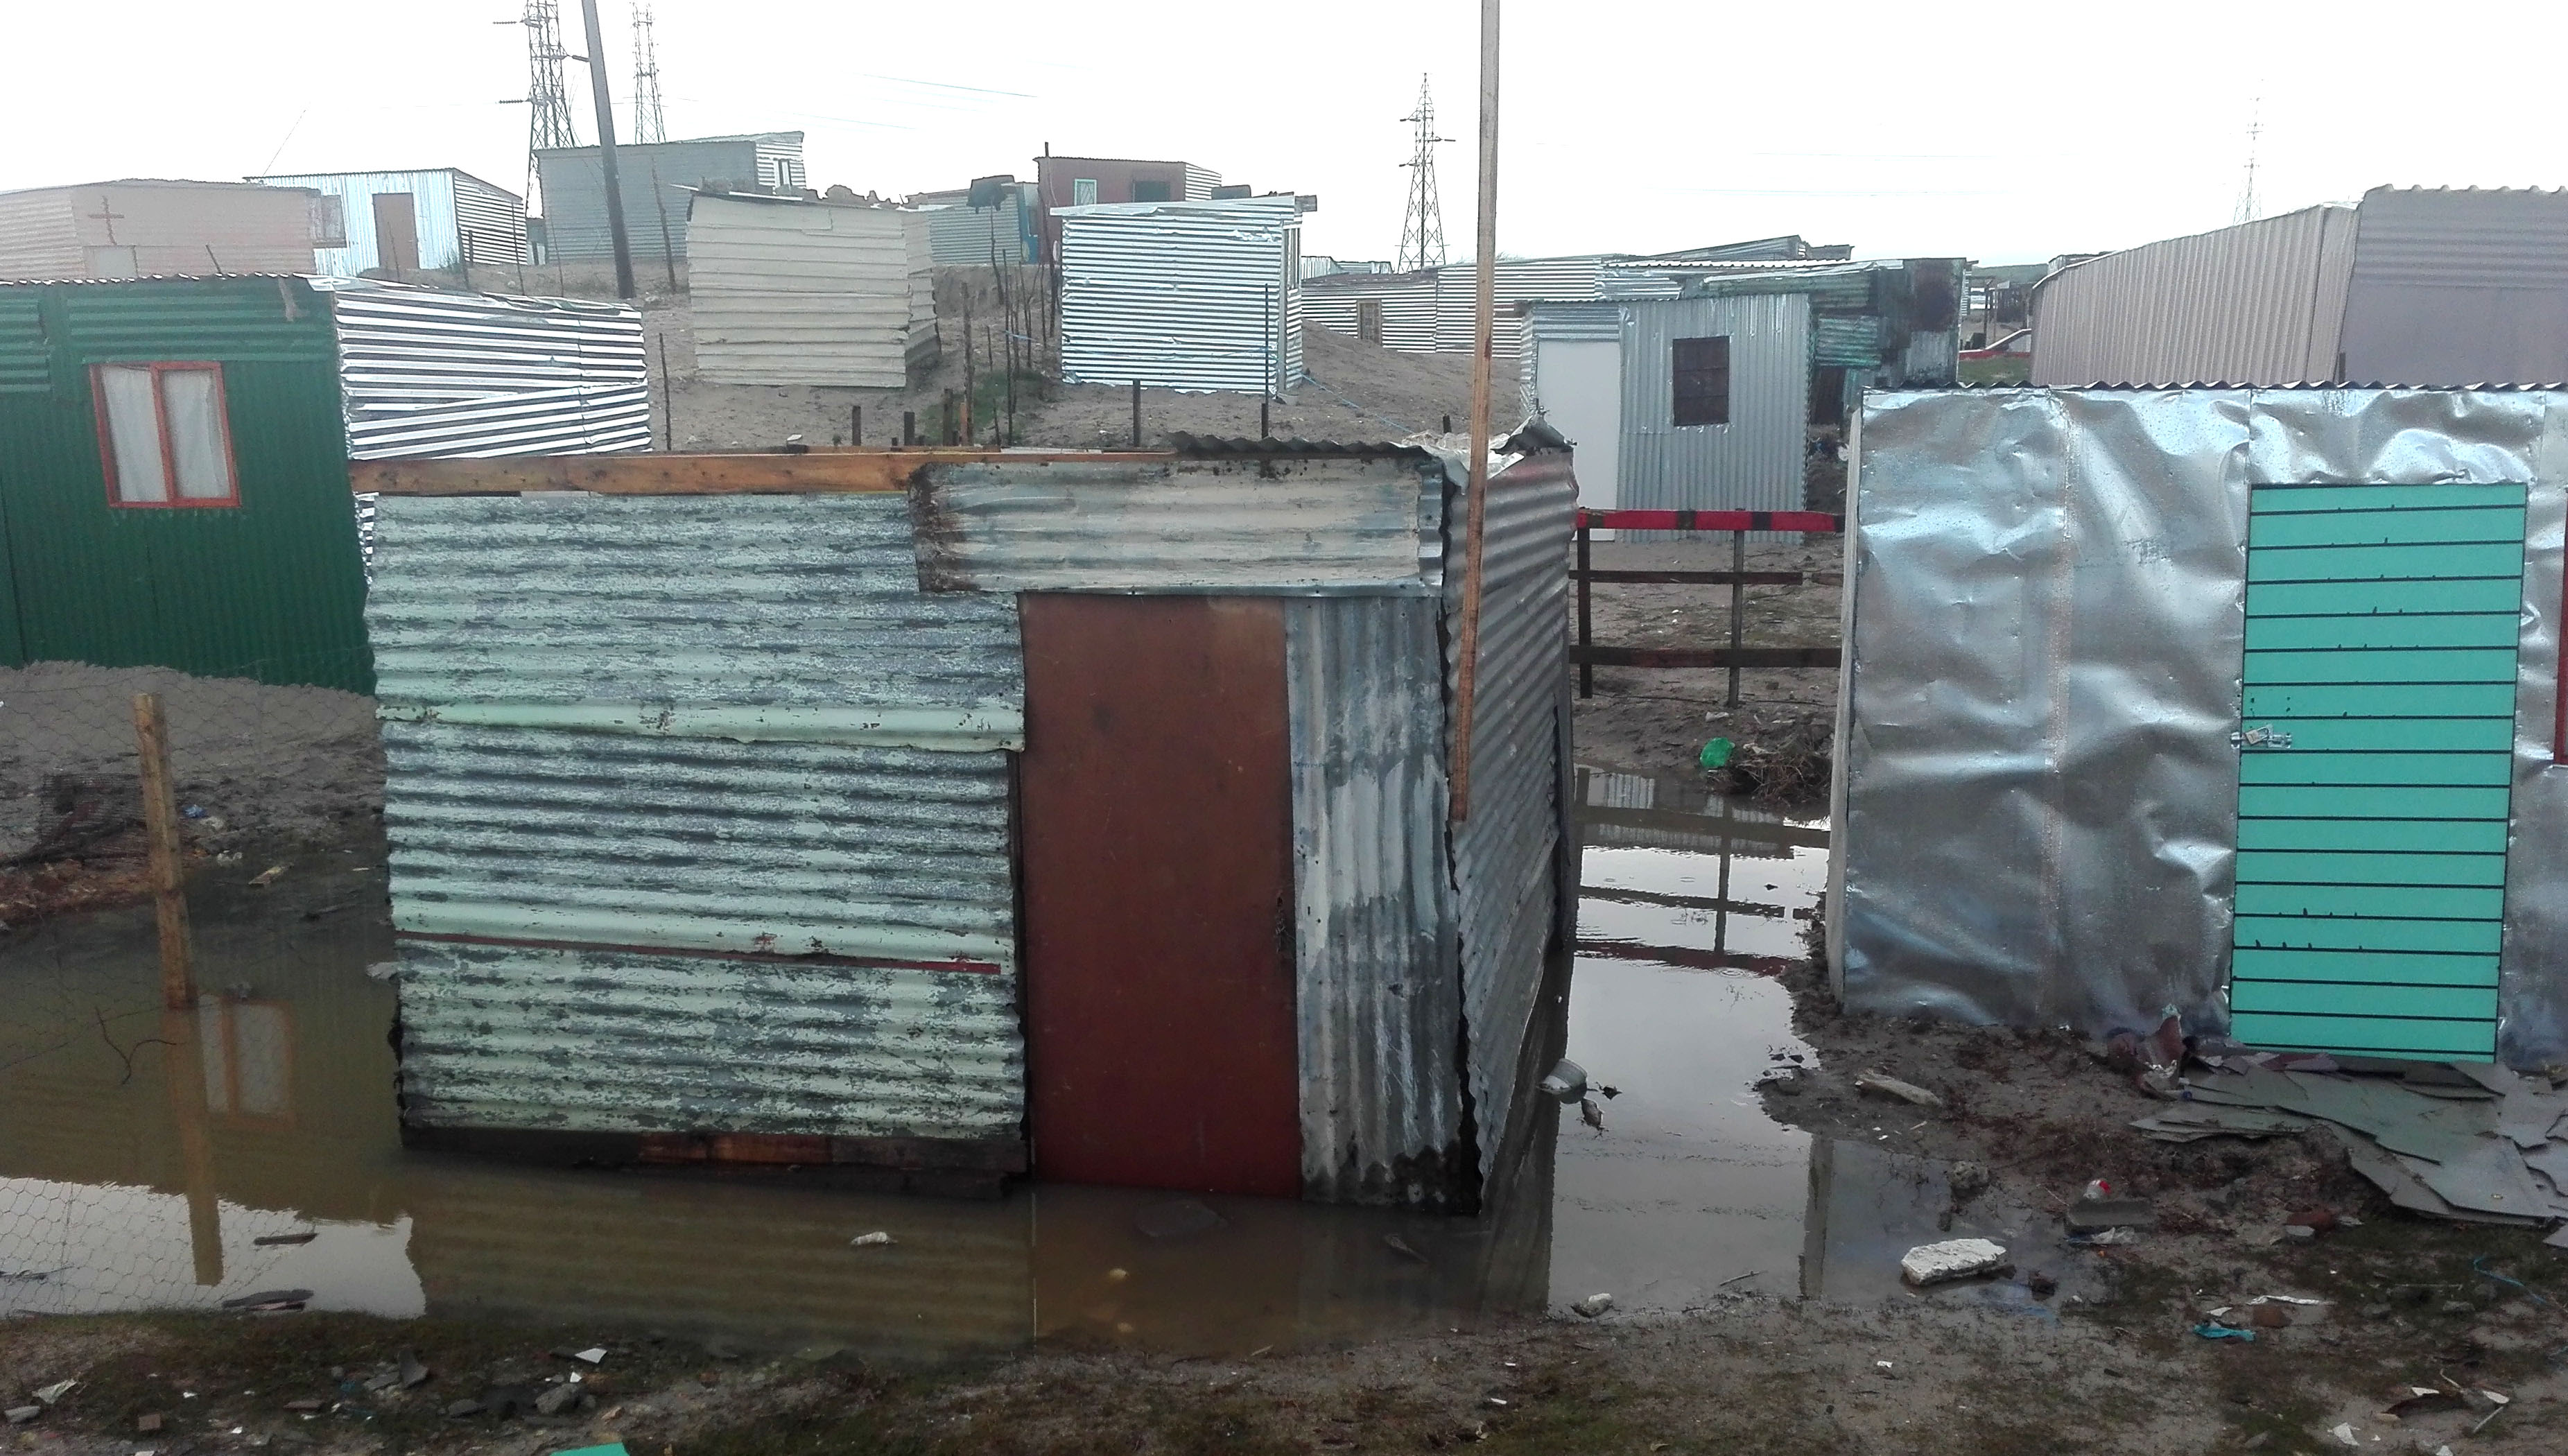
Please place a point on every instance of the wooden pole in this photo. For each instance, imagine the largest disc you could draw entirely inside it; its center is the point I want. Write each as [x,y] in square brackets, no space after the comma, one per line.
[1738,606]
[182,1063]
[1484,270]
[1587,622]
[161,824]
[1136,413]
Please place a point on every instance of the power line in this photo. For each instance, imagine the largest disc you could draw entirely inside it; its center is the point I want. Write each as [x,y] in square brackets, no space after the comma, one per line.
[547,97]
[1421,229]
[649,125]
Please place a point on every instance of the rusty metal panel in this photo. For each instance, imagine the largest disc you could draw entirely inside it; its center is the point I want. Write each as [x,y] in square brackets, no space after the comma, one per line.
[607,1040]
[1272,524]
[1378,983]
[1504,852]
[1159,893]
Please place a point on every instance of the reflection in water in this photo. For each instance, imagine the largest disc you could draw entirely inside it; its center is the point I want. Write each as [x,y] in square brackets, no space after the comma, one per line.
[176,1159]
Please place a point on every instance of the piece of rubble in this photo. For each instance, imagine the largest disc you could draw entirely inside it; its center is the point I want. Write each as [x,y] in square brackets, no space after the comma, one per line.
[1890,1086]
[19,1415]
[1954,1259]
[1594,1304]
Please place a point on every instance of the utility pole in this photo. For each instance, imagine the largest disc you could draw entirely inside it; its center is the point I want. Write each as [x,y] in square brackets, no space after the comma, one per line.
[606,149]
[1421,228]
[1485,275]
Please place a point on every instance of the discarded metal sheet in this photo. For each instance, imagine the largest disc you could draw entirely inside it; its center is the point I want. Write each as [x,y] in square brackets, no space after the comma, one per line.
[1279,526]
[2193,1124]
[2047,612]
[2489,1179]
[2530,1119]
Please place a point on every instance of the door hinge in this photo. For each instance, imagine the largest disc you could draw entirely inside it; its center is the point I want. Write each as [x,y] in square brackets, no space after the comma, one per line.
[2260,737]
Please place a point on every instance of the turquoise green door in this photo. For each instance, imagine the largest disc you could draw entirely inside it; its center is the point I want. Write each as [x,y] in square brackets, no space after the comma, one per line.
[2375,759]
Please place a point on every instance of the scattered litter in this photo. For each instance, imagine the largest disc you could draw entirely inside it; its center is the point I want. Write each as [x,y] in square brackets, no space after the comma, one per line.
[2344,1432]
[2107,1239]
[1889,1086]
[2195,1122]
[1954,1259]
[554,1399]
[267,877]
[382,971]
[875,1240]
[148,1424]
[1591,1114]
[611,1449]
[1399,1246]
[19,1415]
[2479,1267]
[306,1403]
[1594,1304]
[1735,1279]
[594,1354]
[1176,1219]
[1566,1082]
[1713,758]
[191,811]
[2223,1331]
[1610,1092]
[2268,1316]
[412,1373]
[267,1241]
[54,1393]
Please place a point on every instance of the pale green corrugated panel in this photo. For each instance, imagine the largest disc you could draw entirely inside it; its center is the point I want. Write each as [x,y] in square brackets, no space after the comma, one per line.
[504,1037]
[698,599]
[1855,343]
[1378,987]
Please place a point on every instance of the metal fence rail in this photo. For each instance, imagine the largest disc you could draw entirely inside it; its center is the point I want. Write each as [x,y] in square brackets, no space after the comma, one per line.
[1737,657]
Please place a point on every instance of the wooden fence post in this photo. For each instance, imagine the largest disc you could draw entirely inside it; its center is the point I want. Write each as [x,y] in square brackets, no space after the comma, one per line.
[161,823]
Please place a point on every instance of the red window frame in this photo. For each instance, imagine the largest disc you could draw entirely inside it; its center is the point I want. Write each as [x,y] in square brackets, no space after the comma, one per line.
[160,417]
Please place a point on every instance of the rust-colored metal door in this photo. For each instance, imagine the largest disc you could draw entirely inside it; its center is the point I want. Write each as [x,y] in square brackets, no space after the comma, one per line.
[1159,889]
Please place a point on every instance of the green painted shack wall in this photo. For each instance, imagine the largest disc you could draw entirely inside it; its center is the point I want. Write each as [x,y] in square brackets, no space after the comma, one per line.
[273,590]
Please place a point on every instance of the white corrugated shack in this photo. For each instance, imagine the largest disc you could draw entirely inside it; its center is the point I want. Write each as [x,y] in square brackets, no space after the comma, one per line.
[405,221]
[1201,295]
[795,291]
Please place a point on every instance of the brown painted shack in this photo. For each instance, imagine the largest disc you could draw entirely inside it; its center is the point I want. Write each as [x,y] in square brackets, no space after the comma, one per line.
[937,816]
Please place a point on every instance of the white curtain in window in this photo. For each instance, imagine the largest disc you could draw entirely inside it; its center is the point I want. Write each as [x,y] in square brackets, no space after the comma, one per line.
[133,433]
[196,434]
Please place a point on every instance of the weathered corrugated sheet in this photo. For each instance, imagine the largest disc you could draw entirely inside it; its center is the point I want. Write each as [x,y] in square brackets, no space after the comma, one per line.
[25,354]
[38,238]
[489,223]
[429,375]
[1182,295]
[509,1036]
[2259,304]
[1378,993]
[1753,463]
[2458,287]
[1503,853]
[1515,283]
[642,726]
[801,293]
[967,236]
[1408,303]
[1291,525]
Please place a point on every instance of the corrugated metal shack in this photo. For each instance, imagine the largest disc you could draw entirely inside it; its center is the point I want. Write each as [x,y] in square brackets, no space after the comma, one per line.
[1707,400]
[177,451]
[1431,310]
[654,179]
[2241,702]
[940,814]
[1183,295]
[1081,181]
[990,221]
[146,227]
[788,291]
[2413,285]
[404,223]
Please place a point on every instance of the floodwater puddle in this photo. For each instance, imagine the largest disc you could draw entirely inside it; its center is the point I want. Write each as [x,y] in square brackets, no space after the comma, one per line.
[150,1160]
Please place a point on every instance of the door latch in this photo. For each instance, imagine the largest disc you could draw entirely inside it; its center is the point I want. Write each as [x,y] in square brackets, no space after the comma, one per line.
[2262,736]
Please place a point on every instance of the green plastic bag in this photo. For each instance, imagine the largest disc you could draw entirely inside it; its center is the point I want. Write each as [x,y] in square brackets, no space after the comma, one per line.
[1715,755]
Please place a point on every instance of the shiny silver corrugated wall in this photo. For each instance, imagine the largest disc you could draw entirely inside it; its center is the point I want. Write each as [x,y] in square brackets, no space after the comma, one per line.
[1266,524]
[2259,304]
[1183,295]
[1504,852]
[1378,995]
[1753,463]
[429,375]
[1408,308]
[2036,796]
[728,725]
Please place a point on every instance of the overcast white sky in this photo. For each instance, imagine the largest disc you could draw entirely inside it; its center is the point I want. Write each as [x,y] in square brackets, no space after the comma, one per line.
[2002,133]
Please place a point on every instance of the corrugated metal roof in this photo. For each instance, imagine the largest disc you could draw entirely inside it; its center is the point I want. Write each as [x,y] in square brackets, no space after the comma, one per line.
[1292,526]
[648,725]
[810,294]
[960,235]
[1182,295]
[653,179]
[1377,995]
[2263,302]
[1504,865]
[426,374]
[2457,286]
[457,218]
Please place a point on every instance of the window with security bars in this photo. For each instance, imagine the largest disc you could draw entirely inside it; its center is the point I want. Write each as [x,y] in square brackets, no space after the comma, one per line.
[163,436]
[1701,369]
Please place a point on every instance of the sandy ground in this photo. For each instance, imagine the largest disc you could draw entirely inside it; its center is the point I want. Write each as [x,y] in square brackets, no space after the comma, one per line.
[1656,721]
[260,766]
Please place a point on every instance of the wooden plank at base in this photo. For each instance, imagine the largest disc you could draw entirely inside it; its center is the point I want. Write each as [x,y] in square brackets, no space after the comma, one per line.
[1706,657]
[963,1167]
[831,472]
